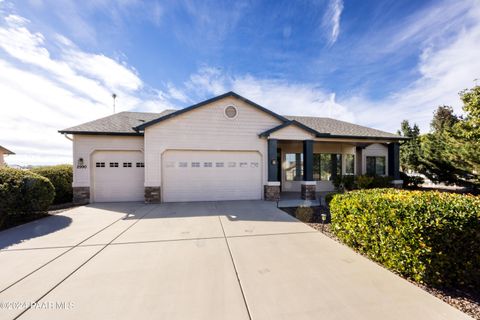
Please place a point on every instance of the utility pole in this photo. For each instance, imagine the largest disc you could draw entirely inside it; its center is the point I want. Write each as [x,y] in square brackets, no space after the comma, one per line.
[114,96]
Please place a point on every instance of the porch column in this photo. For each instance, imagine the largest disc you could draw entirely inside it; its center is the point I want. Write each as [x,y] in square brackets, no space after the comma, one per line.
[271,190]
[308,184]
[359,160]
[394,163]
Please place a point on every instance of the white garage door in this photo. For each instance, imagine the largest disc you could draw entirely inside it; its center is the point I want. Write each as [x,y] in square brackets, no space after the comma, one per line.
[118,176]
[211,175]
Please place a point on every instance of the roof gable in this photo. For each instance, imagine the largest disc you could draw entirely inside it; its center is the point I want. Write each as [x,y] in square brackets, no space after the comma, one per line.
[287,124]
[142,127]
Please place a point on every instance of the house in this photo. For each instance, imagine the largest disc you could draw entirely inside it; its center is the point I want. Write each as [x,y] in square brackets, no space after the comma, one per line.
[224,148]
[4,152]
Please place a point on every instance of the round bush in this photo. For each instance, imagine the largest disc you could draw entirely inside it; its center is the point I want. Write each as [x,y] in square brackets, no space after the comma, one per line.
[61,176]
[22,191]
[304,214]
[429,237]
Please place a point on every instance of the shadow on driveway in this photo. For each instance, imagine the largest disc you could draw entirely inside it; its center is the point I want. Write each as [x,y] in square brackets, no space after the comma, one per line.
[33,229]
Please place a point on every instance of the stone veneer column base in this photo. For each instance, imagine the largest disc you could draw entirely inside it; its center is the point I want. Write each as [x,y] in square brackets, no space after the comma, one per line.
[81,195]
[271,191]
[152,195]
[309,189]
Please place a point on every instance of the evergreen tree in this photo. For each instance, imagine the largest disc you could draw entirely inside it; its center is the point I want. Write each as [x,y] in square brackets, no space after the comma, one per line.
[410,149]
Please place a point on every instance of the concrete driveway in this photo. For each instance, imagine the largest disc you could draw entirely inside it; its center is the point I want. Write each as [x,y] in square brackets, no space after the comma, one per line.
[210,260]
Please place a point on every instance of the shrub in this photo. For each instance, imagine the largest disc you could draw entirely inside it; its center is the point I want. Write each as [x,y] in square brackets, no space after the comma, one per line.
[304,214]
[61,176]
[22,191]
[364,182]
[329,197]
[430,237]
[342,183]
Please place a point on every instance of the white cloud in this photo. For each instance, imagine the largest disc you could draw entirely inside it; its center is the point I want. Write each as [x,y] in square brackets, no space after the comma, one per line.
[42,94]
[277,95]
[445,68]
[331,20]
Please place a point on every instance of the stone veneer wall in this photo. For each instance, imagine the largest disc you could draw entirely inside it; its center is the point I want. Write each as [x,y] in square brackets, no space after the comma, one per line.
[152,195]
[271,193]
[81,195]
[308,192]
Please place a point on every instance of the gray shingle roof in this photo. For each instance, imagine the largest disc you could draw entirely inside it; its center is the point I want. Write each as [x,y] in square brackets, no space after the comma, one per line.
[340,128]
[122,123]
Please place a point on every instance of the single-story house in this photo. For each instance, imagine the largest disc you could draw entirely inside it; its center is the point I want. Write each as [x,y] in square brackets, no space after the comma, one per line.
[4,152]
[224,148]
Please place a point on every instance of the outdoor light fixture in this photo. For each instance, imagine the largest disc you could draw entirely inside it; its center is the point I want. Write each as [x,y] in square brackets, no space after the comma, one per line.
[324,218]
[80,163]
[274,162]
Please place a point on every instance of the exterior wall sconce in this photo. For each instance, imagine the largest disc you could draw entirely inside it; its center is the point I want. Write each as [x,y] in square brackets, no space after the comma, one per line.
[274,162]
[81,164]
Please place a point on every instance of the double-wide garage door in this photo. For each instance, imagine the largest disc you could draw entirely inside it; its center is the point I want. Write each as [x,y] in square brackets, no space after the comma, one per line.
[118,176]
[211,175]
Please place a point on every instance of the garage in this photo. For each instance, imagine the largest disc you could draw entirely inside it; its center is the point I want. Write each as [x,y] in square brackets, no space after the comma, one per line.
[211,175]
[118,176]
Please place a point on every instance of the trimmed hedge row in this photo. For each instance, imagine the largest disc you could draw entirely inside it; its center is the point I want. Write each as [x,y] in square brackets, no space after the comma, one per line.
[430,237]
[61,176]
[22,191]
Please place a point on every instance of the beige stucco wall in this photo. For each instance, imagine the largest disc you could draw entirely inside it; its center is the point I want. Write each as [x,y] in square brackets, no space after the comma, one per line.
[318,147]
[85,145]
[207,128]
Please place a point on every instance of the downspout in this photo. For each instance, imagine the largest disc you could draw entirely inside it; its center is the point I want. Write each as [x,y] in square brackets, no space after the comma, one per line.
[66,136]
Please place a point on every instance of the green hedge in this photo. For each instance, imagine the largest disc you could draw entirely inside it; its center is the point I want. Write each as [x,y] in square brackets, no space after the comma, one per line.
[61,176]
[430,237]
[22,191]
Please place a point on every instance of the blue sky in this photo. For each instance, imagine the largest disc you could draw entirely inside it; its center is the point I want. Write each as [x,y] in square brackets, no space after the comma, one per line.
[370,62]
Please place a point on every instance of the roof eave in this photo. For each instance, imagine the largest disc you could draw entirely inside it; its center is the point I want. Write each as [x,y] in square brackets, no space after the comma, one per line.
[100,133]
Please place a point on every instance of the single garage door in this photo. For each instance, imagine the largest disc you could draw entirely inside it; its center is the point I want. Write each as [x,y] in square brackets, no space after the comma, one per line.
[118,176]
[211,175]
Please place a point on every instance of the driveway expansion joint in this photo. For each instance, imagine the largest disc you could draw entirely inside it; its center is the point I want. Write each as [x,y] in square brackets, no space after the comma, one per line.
[84,263]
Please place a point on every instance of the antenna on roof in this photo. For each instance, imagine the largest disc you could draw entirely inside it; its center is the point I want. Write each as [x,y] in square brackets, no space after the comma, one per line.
[114,96]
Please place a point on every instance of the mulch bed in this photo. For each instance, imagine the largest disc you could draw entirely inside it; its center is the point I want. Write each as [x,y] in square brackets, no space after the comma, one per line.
[465,300]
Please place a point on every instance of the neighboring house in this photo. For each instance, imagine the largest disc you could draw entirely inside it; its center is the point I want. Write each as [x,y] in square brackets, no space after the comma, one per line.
[4,152]
[225,148]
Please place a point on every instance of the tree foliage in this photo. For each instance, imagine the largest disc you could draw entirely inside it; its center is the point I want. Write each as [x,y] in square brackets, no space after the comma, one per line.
[410,150]
[450,152]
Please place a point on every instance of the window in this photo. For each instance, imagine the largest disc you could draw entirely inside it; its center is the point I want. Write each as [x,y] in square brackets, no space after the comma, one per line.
[140,165]
[375,166]
[350,164]
[230,112]
[326,166]
[294,166]
[219,164]
[183,164]
[195,164]
[113,164]
[100,164]
[207,164]
[127,164]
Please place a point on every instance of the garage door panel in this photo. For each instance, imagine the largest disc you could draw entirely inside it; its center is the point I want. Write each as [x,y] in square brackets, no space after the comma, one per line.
[211,175]
[118,182]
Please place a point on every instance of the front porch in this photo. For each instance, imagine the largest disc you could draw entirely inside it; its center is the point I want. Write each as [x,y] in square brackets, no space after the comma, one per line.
[301,172]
